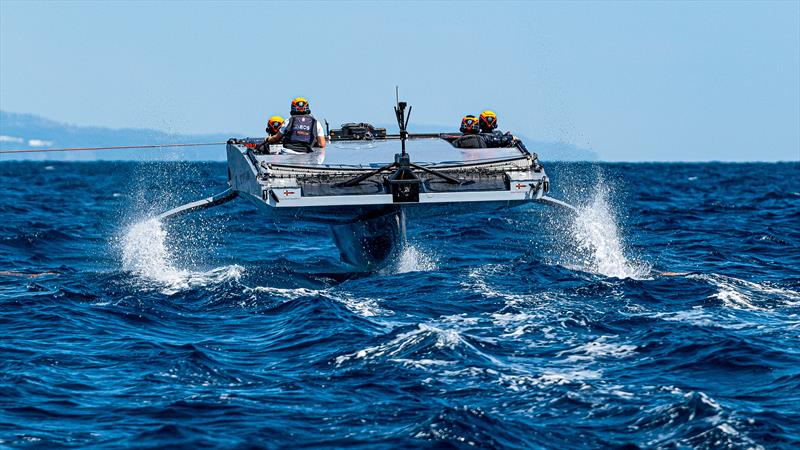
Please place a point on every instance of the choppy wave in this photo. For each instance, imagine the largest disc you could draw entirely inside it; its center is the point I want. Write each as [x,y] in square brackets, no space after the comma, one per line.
[525,328]
[738,293]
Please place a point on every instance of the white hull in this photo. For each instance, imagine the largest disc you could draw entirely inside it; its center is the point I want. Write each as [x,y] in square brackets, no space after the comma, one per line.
[367,220]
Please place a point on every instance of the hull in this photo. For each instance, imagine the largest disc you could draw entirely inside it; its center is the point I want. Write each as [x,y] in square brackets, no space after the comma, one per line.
[368,219]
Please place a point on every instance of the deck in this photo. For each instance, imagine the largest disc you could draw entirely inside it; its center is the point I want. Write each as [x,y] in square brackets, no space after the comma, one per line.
[376,153]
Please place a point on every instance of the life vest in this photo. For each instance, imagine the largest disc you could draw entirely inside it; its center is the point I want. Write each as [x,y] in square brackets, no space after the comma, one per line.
[301,130]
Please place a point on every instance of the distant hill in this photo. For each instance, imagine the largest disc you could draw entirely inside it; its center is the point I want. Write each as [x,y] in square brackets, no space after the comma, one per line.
[27,131]
[559,151]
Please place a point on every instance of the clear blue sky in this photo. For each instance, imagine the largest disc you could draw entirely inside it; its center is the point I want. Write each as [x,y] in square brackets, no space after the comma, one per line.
[632,81]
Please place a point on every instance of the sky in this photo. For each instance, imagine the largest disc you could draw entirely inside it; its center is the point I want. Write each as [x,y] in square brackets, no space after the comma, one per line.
[632,81]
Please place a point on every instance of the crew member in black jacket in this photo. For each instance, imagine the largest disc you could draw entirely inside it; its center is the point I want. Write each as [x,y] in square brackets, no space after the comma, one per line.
[491,135]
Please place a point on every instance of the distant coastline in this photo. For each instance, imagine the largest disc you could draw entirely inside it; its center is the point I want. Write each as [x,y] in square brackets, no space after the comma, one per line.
[29,131]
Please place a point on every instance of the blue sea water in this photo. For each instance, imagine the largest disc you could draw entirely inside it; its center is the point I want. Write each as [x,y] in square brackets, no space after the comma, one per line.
[530,328]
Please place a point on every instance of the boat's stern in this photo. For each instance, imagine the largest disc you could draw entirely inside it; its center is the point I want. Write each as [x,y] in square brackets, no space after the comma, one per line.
[367,204]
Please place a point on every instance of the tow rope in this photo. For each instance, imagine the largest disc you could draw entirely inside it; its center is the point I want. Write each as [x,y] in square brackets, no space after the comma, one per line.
[118,147]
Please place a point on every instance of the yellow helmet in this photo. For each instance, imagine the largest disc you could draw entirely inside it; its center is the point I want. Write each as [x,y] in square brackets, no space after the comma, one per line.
[274,124]
[300,106]
[488,120]
[469,124]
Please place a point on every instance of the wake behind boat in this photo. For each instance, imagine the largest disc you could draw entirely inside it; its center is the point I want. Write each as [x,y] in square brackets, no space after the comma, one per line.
[368,192]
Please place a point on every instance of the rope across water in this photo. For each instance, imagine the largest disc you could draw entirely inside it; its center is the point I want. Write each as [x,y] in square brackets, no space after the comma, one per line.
[118,147]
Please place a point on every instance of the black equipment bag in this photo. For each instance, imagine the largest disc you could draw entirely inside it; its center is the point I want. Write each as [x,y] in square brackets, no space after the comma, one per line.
[358,131]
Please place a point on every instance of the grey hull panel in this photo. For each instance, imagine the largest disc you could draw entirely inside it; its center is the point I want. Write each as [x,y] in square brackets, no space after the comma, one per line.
[345,214]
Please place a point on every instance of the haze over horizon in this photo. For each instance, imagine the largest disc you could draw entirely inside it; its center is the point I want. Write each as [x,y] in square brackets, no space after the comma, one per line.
[636,82]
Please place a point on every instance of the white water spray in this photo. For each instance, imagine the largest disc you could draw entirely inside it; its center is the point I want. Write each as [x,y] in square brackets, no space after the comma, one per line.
[599,245]
[412,259]
[145,253]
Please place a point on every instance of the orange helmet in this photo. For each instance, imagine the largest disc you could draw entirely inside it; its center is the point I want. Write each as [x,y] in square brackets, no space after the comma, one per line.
[300,106]
[274,124]
[469,124]
[488,120]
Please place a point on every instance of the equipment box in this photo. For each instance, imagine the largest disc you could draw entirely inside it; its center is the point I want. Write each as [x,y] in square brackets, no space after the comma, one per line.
[358,131]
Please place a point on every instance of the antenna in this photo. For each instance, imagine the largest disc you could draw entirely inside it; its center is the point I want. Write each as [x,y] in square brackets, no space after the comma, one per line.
[402,118]
[404,183]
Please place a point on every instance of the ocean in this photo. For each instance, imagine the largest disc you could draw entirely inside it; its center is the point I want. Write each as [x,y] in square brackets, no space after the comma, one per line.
[664,314]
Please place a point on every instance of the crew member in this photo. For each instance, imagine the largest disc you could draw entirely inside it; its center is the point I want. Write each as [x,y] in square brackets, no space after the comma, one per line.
[470,134]
[302,131]
[469,125]
[491,135]
[274,125]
